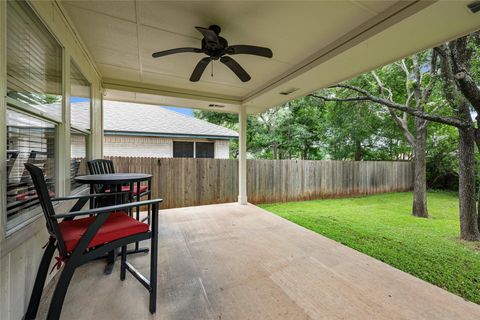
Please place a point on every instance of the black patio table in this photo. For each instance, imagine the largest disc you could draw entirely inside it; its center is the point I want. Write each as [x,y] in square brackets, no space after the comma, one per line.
[117,180]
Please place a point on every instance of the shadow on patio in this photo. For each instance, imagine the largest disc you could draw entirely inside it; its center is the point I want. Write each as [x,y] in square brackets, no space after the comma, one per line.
[240,262]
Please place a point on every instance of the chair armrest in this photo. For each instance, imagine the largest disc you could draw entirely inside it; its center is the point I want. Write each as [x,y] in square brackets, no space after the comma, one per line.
[106,209]
[93,195]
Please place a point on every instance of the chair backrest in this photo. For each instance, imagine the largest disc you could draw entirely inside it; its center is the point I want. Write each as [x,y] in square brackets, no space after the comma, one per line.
[100,166]
[74,167]
[38,179]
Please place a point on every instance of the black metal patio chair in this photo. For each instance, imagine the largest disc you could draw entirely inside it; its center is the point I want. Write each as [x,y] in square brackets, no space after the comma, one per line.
[105,166]
[84,235]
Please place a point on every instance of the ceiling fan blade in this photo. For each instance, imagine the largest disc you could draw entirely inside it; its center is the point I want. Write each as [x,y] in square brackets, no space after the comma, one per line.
[236,68]
[246,49]
[198,71]
[173,51]
[209,35]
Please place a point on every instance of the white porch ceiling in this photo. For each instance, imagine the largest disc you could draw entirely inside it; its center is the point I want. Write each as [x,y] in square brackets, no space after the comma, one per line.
[314,43]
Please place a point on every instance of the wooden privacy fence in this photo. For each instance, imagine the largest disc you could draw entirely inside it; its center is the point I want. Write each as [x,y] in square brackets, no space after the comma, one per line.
[185,182]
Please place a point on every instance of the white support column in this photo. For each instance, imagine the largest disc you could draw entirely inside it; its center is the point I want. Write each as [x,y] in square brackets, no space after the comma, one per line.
[242,156]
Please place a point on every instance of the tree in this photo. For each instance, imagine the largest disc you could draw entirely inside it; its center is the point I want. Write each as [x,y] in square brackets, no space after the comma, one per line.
[462,93]
[416,94]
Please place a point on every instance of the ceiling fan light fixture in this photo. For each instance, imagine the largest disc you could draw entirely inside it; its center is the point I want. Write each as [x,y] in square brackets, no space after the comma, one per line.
[474,6]
[213,105]
[288,91]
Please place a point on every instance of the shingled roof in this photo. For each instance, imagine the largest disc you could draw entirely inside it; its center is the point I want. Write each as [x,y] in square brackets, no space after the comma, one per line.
[144,119]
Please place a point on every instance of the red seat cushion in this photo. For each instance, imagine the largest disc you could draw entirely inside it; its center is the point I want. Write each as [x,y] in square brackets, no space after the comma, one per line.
[142,188]
[32,195]
[118,225]
[127,188]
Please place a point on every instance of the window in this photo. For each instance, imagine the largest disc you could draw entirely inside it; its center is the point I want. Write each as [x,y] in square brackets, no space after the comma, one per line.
[78,151]
[204,150]
[80,99]
[34,101]
[34,62]
[183,149]
[28,140]
[80,106]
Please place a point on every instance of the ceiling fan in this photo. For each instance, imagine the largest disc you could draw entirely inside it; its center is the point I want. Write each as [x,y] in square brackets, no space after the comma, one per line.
[217,48]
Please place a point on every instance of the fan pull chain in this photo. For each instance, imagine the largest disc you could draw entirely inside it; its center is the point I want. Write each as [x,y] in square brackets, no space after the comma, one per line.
[211,74]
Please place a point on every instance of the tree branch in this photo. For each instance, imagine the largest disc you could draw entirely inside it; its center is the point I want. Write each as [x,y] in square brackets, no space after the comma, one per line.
[367,96]
[403,125]
[381,86]
[340,99]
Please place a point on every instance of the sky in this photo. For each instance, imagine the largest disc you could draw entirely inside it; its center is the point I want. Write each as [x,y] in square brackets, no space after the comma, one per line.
[185,111]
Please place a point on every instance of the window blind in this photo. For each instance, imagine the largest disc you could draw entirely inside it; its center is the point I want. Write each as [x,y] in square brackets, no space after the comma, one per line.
[34,60]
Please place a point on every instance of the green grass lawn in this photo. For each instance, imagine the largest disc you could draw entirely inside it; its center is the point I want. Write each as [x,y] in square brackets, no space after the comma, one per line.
[382,227]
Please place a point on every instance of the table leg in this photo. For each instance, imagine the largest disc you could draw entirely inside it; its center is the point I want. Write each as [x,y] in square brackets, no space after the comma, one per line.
[138,210]
[112,255]
[149,198]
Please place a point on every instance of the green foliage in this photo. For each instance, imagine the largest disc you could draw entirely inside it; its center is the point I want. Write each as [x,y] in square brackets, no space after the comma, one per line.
[309,128]
[382,227]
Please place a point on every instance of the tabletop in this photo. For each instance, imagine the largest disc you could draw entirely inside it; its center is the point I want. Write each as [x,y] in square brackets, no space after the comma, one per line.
[113,178]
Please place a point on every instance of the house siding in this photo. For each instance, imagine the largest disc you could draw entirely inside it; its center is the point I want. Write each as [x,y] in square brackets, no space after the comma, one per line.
[222,149]
[155,147]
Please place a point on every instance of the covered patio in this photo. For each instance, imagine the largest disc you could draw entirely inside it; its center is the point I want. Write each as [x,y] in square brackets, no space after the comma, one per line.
[228,261]
[231,261]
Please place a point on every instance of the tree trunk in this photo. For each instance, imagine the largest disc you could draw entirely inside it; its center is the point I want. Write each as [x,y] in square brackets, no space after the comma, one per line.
[304,152]
[358,150]
[275,151]
[467,199]
[420,175]
[477,142]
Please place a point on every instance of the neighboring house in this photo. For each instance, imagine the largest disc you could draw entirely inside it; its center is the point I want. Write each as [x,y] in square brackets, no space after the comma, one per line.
[141,130]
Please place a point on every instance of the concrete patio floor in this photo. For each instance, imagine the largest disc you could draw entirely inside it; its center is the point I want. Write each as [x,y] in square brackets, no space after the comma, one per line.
[240,262]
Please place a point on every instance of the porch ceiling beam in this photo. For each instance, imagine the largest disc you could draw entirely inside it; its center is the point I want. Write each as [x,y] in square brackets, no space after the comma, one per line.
[146,93]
